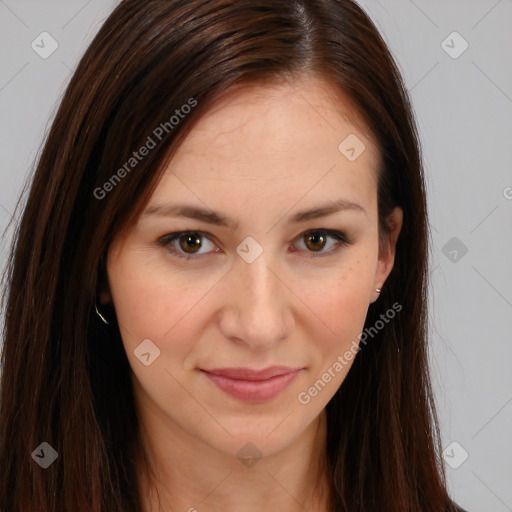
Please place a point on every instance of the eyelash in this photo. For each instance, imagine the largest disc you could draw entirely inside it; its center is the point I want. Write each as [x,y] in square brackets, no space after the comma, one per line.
[166,242]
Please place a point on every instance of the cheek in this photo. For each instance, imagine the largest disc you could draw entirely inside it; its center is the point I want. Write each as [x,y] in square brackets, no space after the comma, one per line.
[153,302]
[140,299]
[150,301]
[343,303]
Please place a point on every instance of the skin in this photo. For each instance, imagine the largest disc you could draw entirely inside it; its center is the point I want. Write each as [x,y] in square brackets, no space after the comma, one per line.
[260,155]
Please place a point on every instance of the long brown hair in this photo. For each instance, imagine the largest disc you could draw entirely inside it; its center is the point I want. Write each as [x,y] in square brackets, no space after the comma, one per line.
[65,376]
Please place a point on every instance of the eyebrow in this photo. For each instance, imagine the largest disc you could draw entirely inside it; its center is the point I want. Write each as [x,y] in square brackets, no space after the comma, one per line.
[218,219]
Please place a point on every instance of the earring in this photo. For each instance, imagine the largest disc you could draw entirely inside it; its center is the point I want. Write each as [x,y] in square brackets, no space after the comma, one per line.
[103,319]
[378,290]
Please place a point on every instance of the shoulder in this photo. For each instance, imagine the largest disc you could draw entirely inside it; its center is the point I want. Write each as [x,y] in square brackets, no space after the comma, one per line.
[456,508]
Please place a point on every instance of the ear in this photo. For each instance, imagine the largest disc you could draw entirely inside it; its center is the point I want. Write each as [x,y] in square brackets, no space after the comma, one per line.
[387,250]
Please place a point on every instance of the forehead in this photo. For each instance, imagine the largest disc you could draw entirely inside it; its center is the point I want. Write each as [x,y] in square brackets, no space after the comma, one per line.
[304,110]
[274,140]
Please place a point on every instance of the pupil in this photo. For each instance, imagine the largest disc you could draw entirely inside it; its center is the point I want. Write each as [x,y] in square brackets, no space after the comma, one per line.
[189,239]
[319,243]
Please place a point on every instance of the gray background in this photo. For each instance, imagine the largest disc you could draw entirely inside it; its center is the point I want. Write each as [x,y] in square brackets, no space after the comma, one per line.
[464,111]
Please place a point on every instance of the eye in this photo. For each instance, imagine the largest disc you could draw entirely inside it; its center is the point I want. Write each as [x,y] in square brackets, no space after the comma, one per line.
[316,240]
[185,244]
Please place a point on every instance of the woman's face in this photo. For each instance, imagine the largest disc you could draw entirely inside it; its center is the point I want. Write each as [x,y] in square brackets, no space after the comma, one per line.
[268,280]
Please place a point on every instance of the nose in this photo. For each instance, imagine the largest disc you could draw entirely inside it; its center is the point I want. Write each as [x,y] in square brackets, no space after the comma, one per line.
[256,308]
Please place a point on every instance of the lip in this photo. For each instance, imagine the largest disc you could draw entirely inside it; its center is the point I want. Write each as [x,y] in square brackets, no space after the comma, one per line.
[250,385]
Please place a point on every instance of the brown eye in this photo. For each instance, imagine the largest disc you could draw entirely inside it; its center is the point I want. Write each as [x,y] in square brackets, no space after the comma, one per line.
[315,241]
[190,243]
[187,244]
[323,242]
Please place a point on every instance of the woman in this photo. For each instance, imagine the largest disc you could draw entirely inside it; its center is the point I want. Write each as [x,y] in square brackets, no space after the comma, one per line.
[216,298]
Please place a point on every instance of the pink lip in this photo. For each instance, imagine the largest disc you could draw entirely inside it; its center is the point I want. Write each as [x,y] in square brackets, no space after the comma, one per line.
[252,385]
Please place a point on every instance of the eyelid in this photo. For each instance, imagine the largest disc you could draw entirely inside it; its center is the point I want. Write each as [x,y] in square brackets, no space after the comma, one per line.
[166,242]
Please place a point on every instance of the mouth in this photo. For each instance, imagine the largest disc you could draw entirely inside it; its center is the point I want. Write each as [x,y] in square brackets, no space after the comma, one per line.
[252,386]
